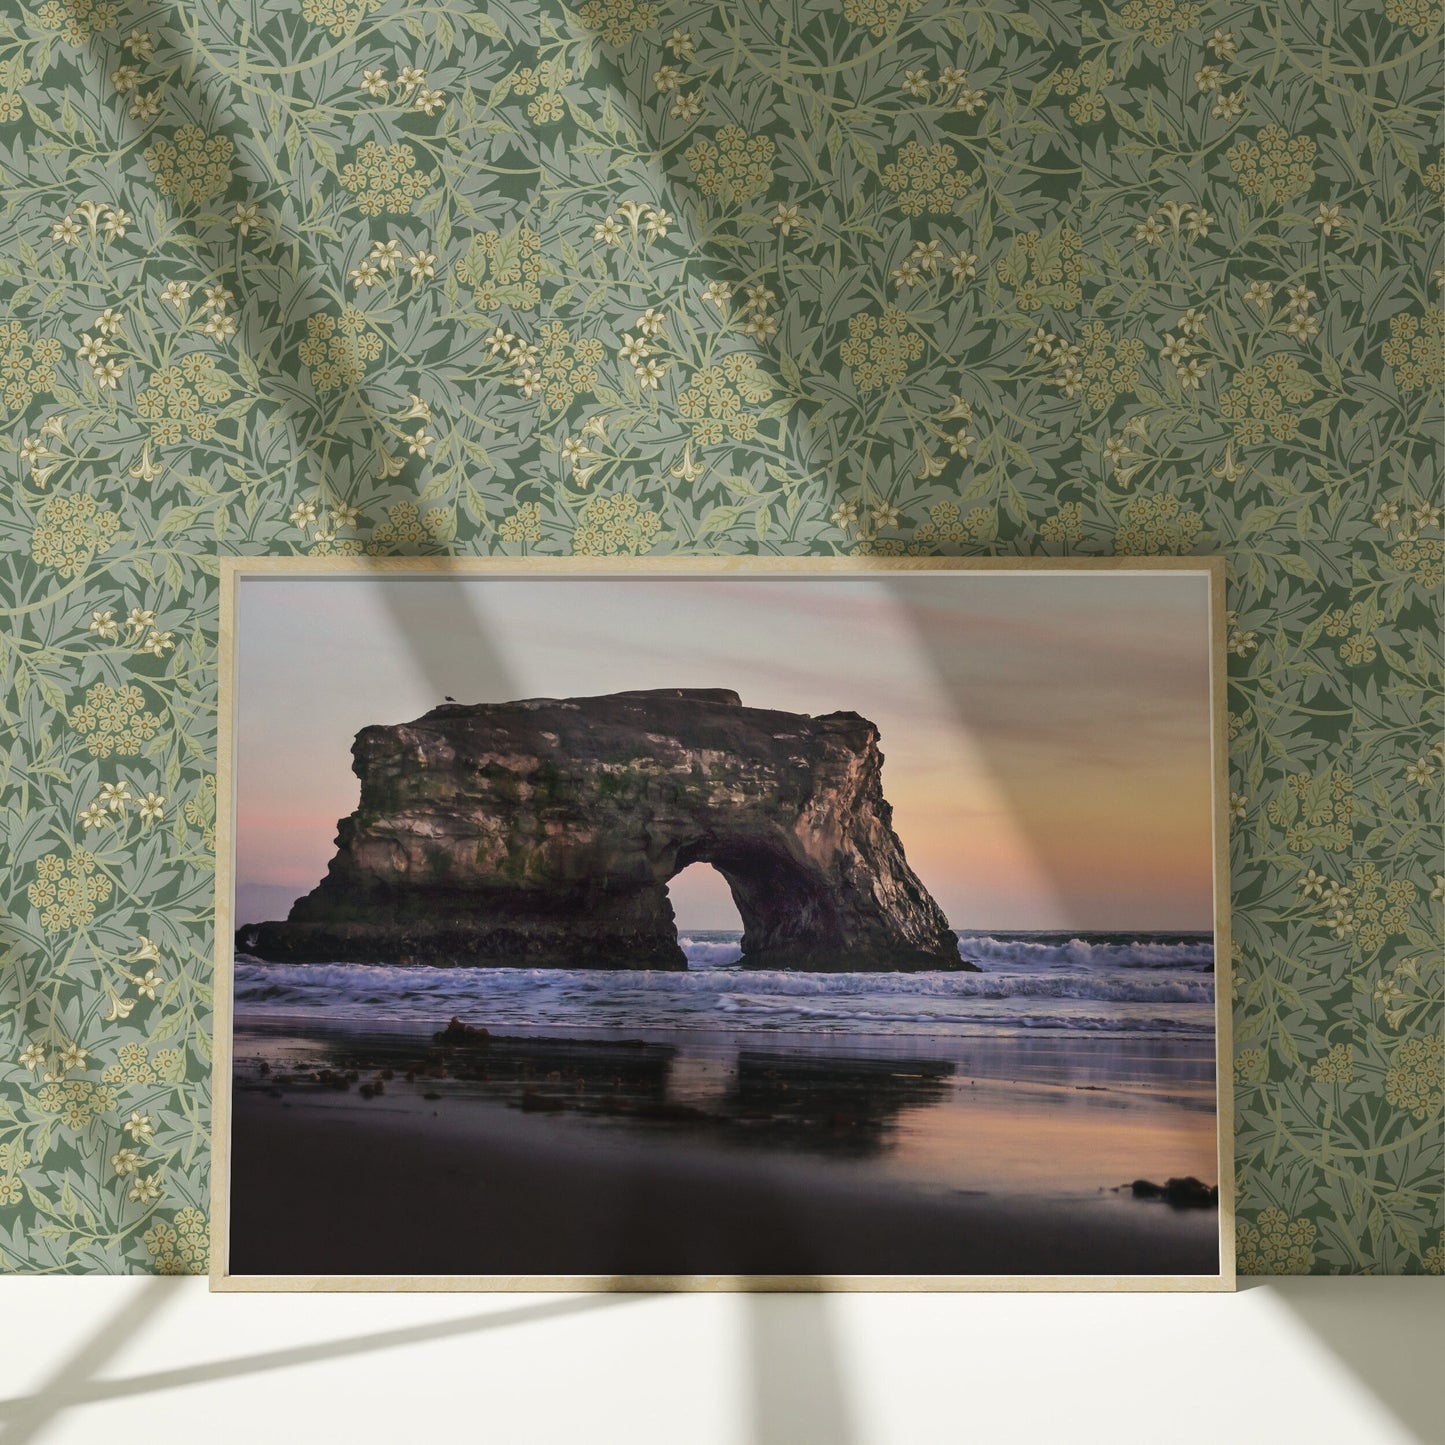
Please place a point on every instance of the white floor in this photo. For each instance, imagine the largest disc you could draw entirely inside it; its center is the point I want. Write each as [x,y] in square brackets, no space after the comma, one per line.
[163,1362]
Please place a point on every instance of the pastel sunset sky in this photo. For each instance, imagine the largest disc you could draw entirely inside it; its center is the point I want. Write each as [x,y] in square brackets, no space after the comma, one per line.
[1046,736]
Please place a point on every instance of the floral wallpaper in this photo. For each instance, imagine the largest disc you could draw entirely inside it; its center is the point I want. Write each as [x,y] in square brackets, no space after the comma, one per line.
[776,276]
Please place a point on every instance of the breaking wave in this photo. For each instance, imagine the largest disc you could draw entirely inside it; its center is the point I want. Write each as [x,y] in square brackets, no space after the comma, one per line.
[1115,983]
[1126,950]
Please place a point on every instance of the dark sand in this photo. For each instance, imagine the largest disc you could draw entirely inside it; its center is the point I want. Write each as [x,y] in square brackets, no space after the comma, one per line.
[330,1183]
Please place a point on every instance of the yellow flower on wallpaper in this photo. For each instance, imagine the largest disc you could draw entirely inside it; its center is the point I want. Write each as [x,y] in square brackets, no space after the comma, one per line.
[607,526]
[732,166]
[926,178]
[879,348]
[385,178]
[194,167]
[114,720]
[67,891]
[70,531]
[880,278]
[1276,1244]
[336,352]
[26,367]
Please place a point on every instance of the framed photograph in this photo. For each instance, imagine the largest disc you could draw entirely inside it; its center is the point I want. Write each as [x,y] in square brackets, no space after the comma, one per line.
[722,923]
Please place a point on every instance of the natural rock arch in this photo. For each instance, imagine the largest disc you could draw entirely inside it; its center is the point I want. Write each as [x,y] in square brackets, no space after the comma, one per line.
[544,833]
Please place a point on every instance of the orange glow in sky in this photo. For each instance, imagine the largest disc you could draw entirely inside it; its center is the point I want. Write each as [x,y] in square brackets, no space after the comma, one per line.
[1045,735]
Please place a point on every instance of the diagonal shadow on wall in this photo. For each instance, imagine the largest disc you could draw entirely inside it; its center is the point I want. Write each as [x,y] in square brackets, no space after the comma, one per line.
[319,440]
[315,452]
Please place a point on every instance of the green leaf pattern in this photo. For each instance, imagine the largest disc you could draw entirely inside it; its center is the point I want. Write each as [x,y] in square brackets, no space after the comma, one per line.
[884,277]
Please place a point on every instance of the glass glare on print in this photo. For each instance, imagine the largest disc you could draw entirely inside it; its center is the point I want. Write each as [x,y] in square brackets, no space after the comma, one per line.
[709,1102]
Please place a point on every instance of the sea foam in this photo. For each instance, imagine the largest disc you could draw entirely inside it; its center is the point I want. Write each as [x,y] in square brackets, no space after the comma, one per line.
[1114,983]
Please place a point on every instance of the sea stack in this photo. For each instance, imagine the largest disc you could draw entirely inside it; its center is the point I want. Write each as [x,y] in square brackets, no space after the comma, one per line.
[543,833]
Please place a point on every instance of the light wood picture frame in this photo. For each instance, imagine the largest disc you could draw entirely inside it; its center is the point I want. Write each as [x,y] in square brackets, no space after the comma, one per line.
[1171,1088]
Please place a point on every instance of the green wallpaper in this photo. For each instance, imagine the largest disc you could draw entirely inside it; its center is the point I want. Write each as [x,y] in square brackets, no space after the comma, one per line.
[776,276]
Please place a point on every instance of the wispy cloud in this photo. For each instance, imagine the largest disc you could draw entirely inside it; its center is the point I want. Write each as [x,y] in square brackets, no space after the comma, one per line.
[1046,738]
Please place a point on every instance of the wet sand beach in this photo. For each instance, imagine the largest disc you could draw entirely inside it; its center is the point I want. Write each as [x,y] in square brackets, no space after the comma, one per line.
[638,1156]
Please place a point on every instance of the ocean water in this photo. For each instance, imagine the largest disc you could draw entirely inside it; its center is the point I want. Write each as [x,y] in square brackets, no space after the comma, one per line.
[1140,985]
[1072,1064]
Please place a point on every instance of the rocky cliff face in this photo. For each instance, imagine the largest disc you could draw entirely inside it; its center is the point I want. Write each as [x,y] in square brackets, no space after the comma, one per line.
[544,833]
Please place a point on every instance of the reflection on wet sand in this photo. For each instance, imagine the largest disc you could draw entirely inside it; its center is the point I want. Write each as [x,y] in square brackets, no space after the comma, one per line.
[847,1106]
[705,1153]
[831,1103]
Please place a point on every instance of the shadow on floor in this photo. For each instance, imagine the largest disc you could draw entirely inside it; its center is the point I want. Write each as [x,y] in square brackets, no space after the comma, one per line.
[798,1393]
[74,1383]
[1388,1333]
[26,1416]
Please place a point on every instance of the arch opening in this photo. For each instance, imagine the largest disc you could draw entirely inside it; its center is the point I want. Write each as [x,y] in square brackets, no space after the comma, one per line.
[705,916]
[782,907]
